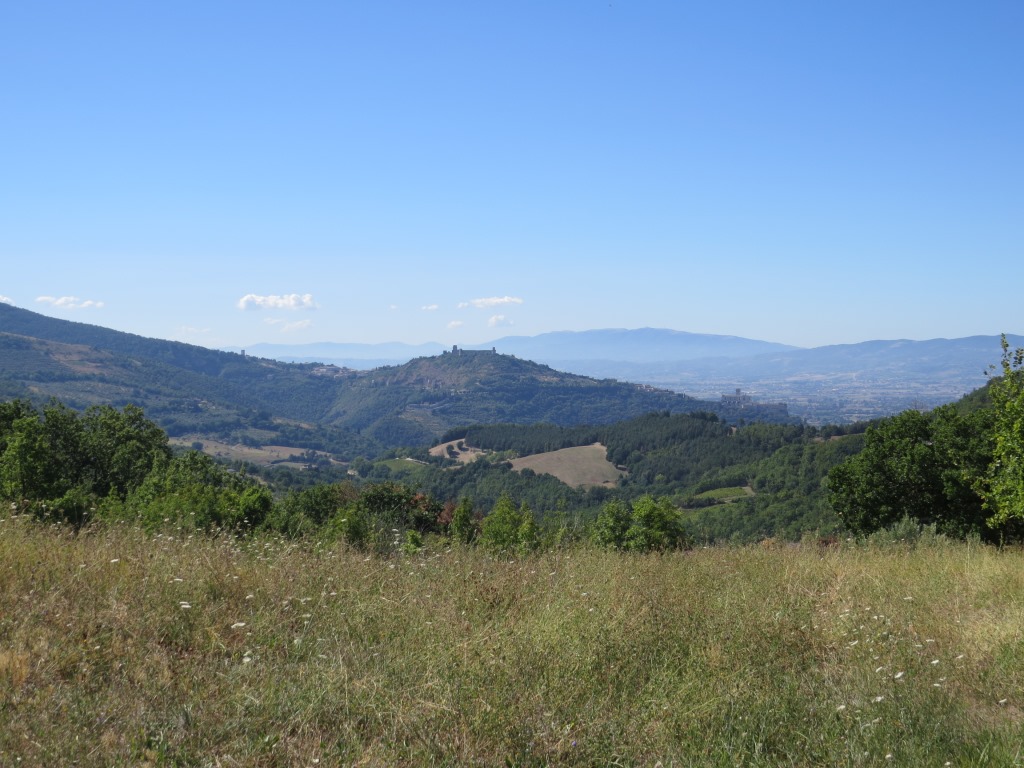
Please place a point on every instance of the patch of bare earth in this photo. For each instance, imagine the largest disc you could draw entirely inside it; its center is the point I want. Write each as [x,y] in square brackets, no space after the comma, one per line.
[458,450]
[585,465]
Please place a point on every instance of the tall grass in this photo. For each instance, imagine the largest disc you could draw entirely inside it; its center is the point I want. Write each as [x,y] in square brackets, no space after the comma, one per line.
[120,648]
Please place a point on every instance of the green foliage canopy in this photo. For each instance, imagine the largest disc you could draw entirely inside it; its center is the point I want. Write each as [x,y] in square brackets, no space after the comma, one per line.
[920,466]
[66,460]
[648,524]
[1004,486]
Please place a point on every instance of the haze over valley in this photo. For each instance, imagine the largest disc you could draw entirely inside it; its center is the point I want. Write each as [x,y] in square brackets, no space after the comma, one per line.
[830,384]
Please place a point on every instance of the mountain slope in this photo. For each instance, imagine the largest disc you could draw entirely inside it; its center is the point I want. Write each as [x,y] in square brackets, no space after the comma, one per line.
[641,345]
[430,395]
[192,390]
[833,384]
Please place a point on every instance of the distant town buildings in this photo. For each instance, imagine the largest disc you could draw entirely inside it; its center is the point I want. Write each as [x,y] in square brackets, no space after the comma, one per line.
[740,401]
[457,351]
[737,400]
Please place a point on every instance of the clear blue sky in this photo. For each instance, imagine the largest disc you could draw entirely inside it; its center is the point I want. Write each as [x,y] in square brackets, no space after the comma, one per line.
[802,172]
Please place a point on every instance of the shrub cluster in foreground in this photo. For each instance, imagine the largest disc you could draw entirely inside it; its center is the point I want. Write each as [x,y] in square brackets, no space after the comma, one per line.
[962,472]
[116,466]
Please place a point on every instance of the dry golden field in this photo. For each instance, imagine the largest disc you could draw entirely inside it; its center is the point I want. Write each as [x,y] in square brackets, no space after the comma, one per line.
[585,465]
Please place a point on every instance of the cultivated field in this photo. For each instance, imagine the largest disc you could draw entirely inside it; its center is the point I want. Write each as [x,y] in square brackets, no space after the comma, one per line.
[457,449]
[264,455]
[586,465]
[122,649]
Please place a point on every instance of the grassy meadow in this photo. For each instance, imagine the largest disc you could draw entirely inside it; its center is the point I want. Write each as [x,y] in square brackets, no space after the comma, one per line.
[120,648]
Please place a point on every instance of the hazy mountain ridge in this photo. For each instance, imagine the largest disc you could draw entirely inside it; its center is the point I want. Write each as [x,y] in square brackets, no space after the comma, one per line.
[833,383]
[836,383]
[641,345]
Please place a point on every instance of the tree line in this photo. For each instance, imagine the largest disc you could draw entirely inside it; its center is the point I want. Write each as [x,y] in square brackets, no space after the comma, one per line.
[105,465]
[959,468]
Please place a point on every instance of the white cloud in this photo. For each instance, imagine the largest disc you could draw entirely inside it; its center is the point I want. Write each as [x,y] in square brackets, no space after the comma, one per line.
[493,301]
[289,301]
[393,307]
[70,302]
[429,307]
[188,330]
[455,324]
[498,321]
[5,300]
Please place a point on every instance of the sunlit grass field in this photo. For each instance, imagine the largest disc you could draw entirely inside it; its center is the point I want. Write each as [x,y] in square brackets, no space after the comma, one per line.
[120,648]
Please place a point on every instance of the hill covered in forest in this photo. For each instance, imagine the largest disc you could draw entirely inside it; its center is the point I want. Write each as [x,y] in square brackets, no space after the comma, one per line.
[194,391]
[835,384]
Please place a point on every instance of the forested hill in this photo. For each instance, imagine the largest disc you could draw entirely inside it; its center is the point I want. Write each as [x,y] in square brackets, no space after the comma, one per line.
[191,390]
[430,395]
[190,357]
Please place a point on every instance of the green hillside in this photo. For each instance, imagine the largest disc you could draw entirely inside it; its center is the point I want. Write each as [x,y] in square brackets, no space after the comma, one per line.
[190,390]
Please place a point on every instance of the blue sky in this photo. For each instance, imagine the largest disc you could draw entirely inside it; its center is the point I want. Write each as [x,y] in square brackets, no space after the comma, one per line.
[225,173]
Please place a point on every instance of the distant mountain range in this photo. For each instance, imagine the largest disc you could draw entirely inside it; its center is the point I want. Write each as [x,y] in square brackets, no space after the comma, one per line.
[194,391]
[836,383]
[644,345]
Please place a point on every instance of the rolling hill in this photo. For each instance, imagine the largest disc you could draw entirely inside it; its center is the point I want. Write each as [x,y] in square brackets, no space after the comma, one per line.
[840,383]
[191,390]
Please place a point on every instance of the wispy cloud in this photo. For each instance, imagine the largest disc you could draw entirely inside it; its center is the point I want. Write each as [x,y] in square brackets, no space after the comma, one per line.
[429,307]
[455,324]
[288,327]
[188,330]
[498,321]
[5,300]
[492,301]
[69,302]
[289,301]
